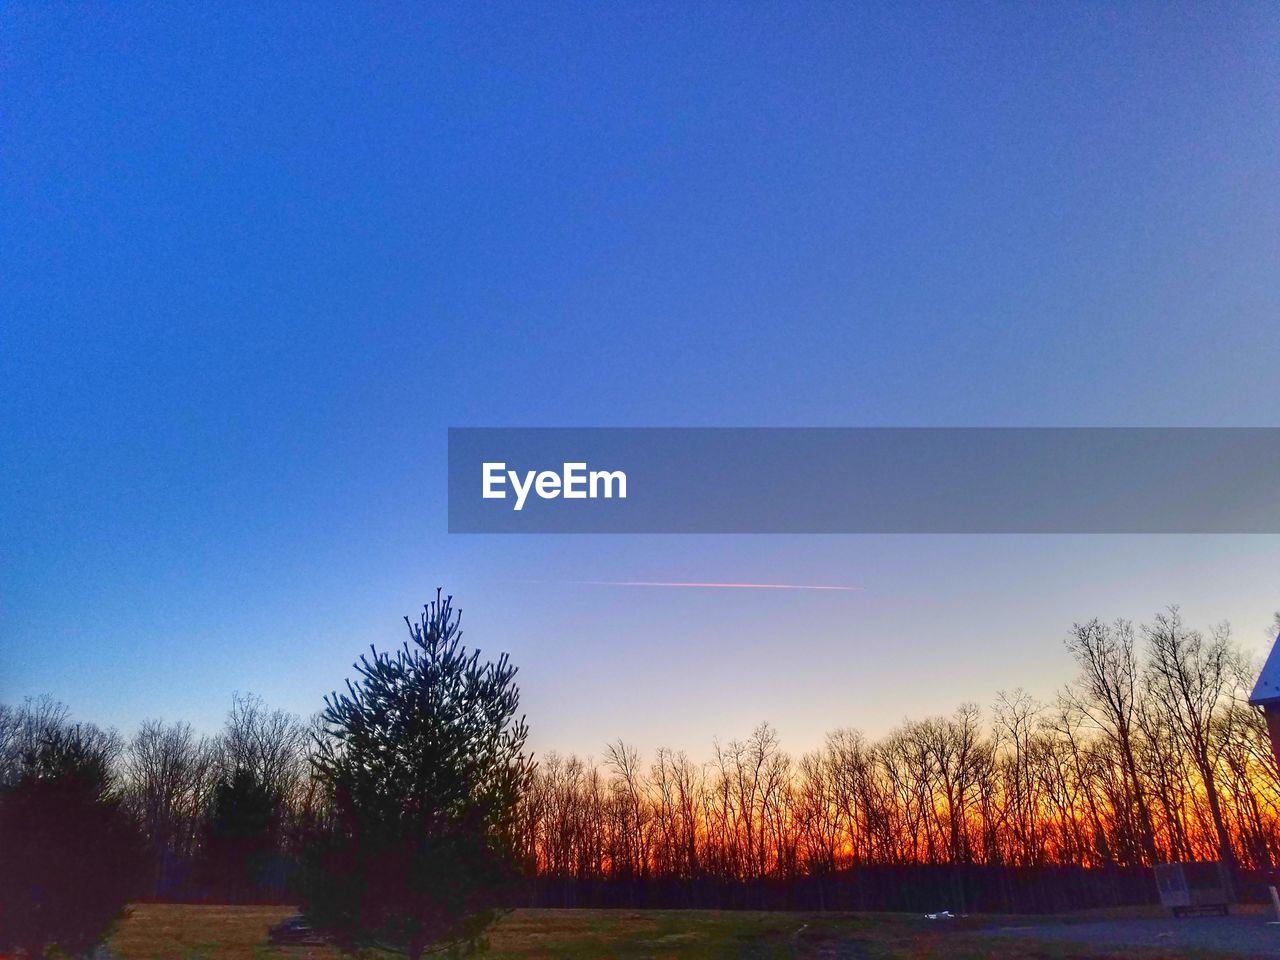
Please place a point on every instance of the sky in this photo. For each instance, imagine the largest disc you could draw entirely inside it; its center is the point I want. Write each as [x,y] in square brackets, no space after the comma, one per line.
[258,258]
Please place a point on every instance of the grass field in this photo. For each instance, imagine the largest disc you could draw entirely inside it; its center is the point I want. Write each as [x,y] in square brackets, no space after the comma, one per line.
[185,932]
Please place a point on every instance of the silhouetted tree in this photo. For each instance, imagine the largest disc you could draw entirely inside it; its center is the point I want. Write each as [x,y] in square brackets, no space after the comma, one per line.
[71,855]
[270,743]
[263,792]
[1108,695]
[1190,677]
[169,775]
[424,763]
[242,835]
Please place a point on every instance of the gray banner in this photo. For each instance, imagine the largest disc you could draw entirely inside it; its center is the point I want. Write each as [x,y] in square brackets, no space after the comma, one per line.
[864,480]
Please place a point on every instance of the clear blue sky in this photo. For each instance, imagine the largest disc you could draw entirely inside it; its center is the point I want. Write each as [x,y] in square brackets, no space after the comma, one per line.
[256,261]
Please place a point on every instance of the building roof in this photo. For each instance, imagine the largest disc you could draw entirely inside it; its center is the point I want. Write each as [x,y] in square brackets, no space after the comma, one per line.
[1267,689]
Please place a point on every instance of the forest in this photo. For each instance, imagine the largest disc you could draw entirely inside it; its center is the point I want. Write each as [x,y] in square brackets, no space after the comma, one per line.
[1149,755]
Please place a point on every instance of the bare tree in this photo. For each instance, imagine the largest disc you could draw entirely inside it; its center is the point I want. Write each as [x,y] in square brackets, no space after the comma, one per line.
[24,727]
[272,744]
[1108,694]
[633,810]
[1189,677]
[1016,725]
[169,772]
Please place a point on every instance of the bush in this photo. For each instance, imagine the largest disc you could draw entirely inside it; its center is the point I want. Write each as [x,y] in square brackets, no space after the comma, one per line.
[72,856]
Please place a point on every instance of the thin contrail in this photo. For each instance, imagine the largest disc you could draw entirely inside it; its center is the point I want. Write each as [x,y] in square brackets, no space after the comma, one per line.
[695,584]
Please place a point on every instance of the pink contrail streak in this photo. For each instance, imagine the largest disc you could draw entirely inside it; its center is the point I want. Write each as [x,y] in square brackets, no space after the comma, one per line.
[706,585]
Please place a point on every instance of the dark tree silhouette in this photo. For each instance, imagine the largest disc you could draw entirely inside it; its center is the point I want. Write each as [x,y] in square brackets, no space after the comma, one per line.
[242,835]
[424,764]
[71,856]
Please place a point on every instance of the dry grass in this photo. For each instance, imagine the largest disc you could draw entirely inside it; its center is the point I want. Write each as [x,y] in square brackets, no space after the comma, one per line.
[186,932]
[171,931]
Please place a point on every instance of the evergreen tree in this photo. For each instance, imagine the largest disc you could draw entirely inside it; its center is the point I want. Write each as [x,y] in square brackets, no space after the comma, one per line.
[241,836]
[424,764]
[71,856]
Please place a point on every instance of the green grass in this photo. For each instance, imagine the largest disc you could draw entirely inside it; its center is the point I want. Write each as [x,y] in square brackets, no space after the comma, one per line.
[186,932]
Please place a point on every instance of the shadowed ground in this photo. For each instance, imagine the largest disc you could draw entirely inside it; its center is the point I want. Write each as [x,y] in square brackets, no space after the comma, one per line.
[185,932]
[1244,935]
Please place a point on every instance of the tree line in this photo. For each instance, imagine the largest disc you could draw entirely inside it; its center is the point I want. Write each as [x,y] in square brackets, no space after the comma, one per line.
[1150,754]
[220,815]
[389,817]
